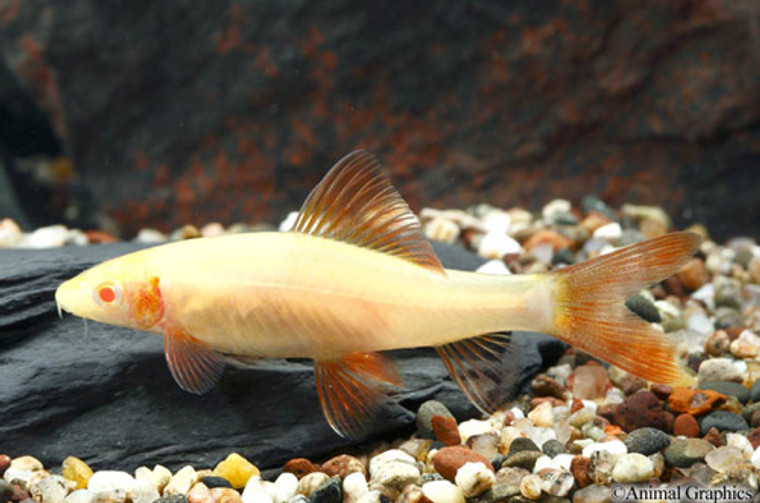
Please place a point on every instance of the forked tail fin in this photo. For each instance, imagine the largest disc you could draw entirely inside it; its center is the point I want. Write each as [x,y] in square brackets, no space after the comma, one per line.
[590,312]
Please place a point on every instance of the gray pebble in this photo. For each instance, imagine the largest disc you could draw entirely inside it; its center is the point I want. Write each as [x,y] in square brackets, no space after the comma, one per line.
[6,491]
[212,481]
[174,498]
[298,498]
[522,459]
[591,203]
[729,389]
[523,444]
[329,492]
[723,421]
[497,494]
[647,441]
[684,452]
[553,447]
[754,394]
[425,417]
[643,307]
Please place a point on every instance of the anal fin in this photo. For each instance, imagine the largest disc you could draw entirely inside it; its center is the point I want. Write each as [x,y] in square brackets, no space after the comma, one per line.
[195,367]
[350,389]
[484,368]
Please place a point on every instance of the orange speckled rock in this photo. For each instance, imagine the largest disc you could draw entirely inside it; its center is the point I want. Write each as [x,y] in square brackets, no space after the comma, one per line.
[694,401]
[300,467]
[449,459]
[446,430]
[342,465]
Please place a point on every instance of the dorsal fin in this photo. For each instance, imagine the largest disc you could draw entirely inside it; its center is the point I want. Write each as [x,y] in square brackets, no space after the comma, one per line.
[356,203]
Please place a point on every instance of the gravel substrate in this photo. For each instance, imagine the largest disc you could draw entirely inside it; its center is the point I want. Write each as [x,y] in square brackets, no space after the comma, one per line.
[585,431]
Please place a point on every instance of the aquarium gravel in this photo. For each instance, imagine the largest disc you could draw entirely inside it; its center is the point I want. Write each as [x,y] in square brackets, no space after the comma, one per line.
[586,432]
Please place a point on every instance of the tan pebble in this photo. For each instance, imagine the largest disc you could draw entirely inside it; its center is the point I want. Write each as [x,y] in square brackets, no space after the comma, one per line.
[530,486]
[200,493]
[542,415]
[161,475]
[442,491]
[212,229]
[412,493]
[442,229]
[310,482]
[418,448]
[182,481]
[77,471]
[747,345]
[474,479]
[236,470]
[226,495]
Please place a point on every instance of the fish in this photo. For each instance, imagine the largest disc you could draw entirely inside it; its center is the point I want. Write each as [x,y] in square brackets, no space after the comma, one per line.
[355,277]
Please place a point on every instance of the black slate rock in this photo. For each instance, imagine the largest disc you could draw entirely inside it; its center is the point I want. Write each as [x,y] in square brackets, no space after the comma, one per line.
[212,481]
[723,421]
[647,441]
[728,389]
[55,372]
[329,492]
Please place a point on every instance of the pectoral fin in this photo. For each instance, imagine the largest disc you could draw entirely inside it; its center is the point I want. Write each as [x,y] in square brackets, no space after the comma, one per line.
[350,391]
[195,367]
[484,368]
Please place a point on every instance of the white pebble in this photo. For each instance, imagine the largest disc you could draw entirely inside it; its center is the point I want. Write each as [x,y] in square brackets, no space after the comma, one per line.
[755,459]
[473,427]
[497,221]
[724,458]
[495,266]
[474,479]
[391,474]
[162,475]
[10,233]
[557,482]
[530,486]
[182,481]
[354,487]
[50,489]
[718,369]
[615,447]
[542,463]
[442,491]
[53,236]
[285,487]
[442,229]
[289,222]
[111,480]
[143,492]
[633,467]
[310,482]
[150,236]
[542,415]
[23,468]
[609,232]
[80,496]
[258,490]
[496,245]
[740,442]
[554,208]
[747,345]
[371,497]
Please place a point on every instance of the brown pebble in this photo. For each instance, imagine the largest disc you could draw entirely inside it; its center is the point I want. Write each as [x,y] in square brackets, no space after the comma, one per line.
[694,401]
[300,467]
[661,391]
[713,436]
[509,417]
[754,419]
[449,459]
[543,385]
[579,468]
[717,343]
[608,411]
[5,462]
[557,240]
[631,384]
[99,237]
[19,494]
[642,409]
[555,402]
[342,465]
[576,405]
[446,430]
[686,425]
[754,438]
[693,274]
[226,495]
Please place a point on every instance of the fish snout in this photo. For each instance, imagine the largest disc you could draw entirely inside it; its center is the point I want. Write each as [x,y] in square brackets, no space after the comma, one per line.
[67,295]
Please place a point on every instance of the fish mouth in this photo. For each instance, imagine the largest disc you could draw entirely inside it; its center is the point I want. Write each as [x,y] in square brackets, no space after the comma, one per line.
[65,291]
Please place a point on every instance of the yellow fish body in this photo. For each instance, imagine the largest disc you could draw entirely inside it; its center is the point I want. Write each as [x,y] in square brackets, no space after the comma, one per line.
[356,276]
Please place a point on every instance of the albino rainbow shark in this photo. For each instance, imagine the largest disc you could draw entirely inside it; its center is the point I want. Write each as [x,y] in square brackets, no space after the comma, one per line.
[356,276]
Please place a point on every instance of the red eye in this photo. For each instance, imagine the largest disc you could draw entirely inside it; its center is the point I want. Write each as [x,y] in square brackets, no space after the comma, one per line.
[107,294]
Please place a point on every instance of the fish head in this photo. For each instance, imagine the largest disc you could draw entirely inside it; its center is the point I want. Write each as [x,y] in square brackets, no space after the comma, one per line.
[117,292]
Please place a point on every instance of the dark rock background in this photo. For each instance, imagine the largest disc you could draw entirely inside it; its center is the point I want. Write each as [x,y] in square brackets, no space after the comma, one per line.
[104,393]
[187,112]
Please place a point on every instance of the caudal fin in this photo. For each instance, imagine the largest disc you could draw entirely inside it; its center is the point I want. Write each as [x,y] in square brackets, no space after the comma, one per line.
[589,309]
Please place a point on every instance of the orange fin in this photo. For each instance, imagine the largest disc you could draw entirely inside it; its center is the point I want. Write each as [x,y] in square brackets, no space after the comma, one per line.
[484,368]
[356,203]
[350,390]
[195,367]
[590,312]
